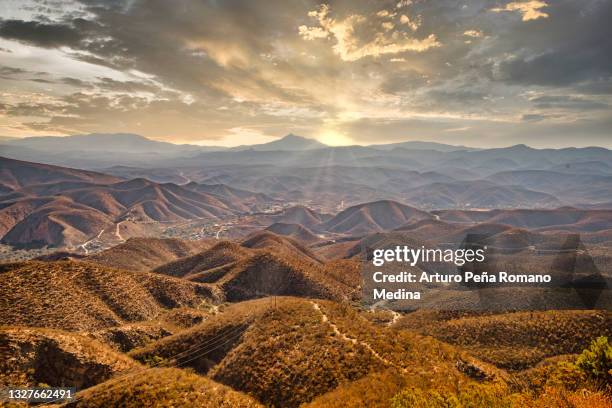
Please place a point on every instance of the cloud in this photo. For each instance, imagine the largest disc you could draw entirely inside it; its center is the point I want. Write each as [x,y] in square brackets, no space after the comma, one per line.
[351,46]
[414,24]
[403,68]
[473,33]
[41,34]
[568,102]
[312,33]
[530,10]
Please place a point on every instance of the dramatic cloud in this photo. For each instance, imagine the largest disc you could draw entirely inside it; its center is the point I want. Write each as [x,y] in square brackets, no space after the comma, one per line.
[350,47]
[530,10]
[348,71]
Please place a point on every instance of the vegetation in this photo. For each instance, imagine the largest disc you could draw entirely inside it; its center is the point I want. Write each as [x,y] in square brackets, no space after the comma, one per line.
[596,361]
[478,396]
[515,341]
[163,388]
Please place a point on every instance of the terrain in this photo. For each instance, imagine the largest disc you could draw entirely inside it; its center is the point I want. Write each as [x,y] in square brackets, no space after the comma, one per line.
[234,277]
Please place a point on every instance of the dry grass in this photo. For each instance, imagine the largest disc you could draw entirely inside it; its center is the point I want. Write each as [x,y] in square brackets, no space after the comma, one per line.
[163,388]
[517,341]
[30,357]
[144,254]
[81,296]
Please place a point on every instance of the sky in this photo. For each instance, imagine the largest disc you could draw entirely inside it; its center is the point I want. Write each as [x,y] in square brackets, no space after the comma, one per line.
[233,72]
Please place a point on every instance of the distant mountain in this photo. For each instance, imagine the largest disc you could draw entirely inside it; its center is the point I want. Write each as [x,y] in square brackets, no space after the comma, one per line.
[561,219]
[418,145]
[251,199]
[478,194]
[103,142]
[97,150]
[374,217]
[288,143]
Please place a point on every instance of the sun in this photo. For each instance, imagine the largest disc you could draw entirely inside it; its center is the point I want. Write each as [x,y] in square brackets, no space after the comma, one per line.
[334,138]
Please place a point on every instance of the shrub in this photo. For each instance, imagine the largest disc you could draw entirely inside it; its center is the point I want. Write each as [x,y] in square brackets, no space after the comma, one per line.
[596,361]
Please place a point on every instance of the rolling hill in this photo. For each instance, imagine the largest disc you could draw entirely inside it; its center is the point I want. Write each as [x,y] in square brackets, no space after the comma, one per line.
[566,218]
[305,349]
[144,254]
[374,217]
[83,296]
[57,358]
[300,214]
[295,231]
[55,206]
[16,174]
[478,194]
[168,387]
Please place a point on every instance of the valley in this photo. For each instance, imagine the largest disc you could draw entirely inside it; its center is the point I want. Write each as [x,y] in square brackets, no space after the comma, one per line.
[243,284]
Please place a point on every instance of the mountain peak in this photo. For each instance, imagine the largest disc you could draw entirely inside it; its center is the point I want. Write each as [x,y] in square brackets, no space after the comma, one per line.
[287,143]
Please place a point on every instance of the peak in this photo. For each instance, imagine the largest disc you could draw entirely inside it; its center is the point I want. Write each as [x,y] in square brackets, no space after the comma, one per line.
[291,136]
[520,147]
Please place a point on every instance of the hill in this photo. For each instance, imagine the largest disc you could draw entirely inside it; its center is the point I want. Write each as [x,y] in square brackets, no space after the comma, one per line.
[302,215]
[68,207]
[374,217]
[566,218]
[279,245]
[167,387]
[306,348]
[518,340]
[16,174]
[56,358]
[251,199]
[295,231]
[266,274]
[478,194]
[82,296]
[220,254]
[144,254]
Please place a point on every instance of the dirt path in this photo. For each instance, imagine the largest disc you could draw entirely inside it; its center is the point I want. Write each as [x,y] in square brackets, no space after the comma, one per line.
[345,337]
[396,317]
[117,233]
[84,244]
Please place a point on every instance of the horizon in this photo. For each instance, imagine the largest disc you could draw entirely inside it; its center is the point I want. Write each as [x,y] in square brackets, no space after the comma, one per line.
[227,146]
[349,73]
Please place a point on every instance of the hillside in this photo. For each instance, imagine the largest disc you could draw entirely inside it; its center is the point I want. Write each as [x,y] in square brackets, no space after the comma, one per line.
[251,199]
[168,387]
[266,274]
[278,244]
[82,296]
[374,217]
[15,174]
[57,358]
[515,341]
[220,254]
[68,207]
[566,218]
[478,194]
[295,231]
[300,215]
[144,254]
[305,349]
